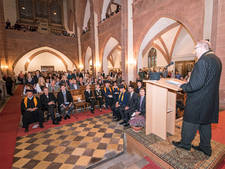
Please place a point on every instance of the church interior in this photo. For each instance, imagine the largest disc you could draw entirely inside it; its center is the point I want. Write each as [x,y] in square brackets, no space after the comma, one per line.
[87,66]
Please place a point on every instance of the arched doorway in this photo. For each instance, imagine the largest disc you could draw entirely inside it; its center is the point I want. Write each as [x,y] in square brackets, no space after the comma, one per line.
[43,57]
[172,42]
[111,55]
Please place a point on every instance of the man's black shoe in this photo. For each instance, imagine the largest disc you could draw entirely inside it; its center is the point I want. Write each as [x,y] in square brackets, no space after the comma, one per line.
[198,148]
[126,124]
[68,116]
[180,145]
[123,122]
[55,122]
[41,125]
[65,117]
[118,119]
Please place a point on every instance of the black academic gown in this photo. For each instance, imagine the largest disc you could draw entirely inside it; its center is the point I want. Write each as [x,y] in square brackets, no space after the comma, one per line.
[202,104]
[31,116]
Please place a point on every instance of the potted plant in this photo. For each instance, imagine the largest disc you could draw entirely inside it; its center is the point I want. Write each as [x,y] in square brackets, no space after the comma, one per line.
[137,123]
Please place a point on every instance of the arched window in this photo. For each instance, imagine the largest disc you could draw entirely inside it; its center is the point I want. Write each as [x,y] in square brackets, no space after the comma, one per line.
[152,56]
[112,8]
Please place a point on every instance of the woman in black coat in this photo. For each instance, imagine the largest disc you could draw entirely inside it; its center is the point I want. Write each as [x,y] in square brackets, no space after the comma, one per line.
[90,98]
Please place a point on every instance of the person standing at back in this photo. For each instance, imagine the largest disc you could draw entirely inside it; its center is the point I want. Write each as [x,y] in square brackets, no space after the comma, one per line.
[202,104]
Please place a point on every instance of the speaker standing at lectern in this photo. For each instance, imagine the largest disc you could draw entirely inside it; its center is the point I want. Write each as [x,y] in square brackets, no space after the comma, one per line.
[202,104]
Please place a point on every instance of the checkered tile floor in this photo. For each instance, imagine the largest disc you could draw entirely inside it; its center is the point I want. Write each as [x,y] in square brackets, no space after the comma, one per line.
[78,145]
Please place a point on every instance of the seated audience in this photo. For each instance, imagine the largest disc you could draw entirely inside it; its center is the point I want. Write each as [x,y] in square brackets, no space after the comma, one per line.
[120,105]
[138,117]
[139,86]
[48,103]
[65,102]
[108,94]
[89,97]
[116,91]
[31,110]
[131,106]
[29,79]
[99,95]
[53,87]
[40,85]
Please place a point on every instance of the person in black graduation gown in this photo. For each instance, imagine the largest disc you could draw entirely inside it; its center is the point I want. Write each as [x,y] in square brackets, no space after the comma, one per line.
[99,96]
[120,103]
[108,94]
[89,97]
[48,103]
[116,92]
[131,106]
[31,110]
[202,104]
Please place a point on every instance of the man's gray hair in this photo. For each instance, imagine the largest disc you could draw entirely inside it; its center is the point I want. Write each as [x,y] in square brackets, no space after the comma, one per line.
[204,44]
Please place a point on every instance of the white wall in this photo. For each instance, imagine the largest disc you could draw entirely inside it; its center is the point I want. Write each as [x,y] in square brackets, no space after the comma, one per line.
[87,14]
[184,48]
[117,58]
[10,10]
[20,64]
[46,59]
[104,8]
[87,57]
[161,24]
[112,42]
[67,4]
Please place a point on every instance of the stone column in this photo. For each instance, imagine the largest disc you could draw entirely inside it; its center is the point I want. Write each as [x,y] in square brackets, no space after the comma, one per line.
[128,60]
[3,58]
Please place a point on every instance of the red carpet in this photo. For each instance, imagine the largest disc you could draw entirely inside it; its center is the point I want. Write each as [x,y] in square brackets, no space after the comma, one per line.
[9,120]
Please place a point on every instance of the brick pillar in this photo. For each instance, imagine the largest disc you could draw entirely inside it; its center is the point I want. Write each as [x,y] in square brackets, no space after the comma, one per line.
[127,54]
[2,36]
[218,42]
[92,36]
[124,34]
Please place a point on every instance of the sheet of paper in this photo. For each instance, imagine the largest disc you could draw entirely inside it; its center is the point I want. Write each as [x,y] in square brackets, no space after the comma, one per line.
[173,82]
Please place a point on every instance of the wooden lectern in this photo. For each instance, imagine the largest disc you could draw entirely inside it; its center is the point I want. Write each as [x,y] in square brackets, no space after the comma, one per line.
[161,106]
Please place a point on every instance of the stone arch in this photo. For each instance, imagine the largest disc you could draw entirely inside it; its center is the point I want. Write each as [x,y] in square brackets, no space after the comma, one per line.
[159,26]
[23,62]
[108,47]
[88,56]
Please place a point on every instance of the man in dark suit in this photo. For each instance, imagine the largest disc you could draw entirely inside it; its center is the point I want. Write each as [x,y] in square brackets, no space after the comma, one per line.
[131,106]
[48,103]
[202,104]
[65,101]
[139,86]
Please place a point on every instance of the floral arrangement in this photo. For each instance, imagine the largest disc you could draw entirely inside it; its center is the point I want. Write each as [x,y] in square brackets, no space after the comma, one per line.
[137,121]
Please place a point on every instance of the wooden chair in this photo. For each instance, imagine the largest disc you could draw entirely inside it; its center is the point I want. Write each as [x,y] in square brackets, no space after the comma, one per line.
[79,101]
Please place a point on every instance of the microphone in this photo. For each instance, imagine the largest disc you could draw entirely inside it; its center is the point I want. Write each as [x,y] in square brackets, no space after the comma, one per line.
[171,63]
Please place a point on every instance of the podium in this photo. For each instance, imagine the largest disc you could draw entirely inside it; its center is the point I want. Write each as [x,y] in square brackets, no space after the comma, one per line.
[161,106]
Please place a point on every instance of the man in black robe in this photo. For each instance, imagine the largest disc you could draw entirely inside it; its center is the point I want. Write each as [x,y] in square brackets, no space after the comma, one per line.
[202,104]
[31,110]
